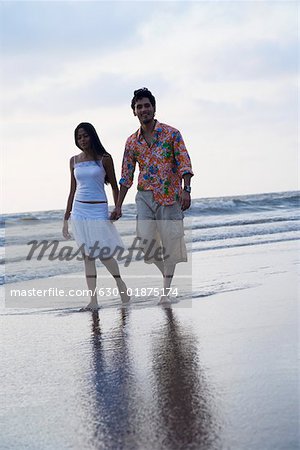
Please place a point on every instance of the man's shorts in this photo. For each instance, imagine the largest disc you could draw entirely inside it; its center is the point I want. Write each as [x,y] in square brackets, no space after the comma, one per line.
[160,230]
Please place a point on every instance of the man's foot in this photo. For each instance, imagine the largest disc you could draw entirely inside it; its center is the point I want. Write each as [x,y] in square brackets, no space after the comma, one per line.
[92,306]
[165,301]
[123,291]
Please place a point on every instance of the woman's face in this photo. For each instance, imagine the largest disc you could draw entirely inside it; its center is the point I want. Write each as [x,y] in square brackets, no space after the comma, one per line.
[83,140]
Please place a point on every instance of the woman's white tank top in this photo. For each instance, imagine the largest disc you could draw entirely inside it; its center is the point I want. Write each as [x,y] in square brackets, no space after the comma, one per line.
[90,176]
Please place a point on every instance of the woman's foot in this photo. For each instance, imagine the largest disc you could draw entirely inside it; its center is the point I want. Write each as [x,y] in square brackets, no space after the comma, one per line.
[123,290]
[92,306]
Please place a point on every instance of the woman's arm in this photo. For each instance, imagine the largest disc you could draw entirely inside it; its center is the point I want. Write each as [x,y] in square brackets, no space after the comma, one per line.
[108,165]
[70,201]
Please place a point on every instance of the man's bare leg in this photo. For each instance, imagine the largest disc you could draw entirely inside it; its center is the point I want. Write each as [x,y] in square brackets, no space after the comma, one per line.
[168,277]
[160,266]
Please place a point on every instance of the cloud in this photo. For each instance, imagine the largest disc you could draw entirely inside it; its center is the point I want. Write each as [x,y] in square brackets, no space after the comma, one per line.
[67,28]
[206,43]
[224,73]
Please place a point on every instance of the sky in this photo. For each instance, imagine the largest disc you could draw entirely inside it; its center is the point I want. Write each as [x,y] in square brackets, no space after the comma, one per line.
[223,72]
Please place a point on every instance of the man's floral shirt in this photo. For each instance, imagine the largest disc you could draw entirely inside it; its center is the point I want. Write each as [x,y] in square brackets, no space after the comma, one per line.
[162,164]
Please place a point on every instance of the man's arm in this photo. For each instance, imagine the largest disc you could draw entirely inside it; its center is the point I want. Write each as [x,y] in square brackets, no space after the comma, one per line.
[185,199]
[184,168]
[187,179]
[128,168]
[182,158]
[117,212]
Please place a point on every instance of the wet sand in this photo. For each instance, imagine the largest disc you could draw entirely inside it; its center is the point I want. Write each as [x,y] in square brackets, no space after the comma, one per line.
[217,371]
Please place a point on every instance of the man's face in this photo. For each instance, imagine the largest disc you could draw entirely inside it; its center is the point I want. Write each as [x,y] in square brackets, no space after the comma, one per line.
[144,110]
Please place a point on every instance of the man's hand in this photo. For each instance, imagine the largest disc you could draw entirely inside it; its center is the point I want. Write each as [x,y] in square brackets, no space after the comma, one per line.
[65,230]
[116,213]
[185,200]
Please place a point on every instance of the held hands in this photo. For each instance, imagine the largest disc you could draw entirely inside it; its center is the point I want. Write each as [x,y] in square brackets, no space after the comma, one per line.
[185,200]
[116,213]
[65,230]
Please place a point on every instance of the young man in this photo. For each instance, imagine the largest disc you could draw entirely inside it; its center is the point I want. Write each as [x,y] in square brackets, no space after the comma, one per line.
[163,163]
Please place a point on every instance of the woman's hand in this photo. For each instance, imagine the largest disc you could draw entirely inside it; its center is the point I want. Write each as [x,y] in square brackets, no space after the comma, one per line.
[116,213]
[65,230]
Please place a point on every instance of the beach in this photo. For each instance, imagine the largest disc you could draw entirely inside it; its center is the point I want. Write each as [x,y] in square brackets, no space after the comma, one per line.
[216,370]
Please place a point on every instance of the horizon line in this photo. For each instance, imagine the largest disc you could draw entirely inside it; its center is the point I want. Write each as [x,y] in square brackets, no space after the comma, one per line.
[133,203]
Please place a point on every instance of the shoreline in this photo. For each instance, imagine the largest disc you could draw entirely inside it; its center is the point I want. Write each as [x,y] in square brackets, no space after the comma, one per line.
[211,372]
[204,275]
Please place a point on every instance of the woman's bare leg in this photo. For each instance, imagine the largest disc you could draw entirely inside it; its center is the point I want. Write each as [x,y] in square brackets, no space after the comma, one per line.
[91,280]
[113,268]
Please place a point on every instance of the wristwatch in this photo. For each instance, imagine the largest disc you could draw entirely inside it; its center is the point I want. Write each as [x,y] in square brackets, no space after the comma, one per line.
[187,189]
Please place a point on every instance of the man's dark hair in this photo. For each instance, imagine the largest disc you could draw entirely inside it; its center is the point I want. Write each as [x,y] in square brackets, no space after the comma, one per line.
[141,93]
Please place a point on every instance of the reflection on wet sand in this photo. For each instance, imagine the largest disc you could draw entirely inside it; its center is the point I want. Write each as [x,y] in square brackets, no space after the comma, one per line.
[179,414]
[183,396]
[111,378]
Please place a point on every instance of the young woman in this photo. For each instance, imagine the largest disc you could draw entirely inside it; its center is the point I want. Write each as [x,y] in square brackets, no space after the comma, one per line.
[87,205]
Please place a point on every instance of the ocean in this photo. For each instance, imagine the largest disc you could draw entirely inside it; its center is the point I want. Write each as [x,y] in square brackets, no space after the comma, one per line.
[212,223]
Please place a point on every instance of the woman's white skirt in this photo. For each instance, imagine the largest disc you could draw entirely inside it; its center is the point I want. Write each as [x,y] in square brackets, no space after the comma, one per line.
[93,232]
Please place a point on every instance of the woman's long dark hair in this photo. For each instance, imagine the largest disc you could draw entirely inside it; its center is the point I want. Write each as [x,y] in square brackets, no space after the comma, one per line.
[97,148]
